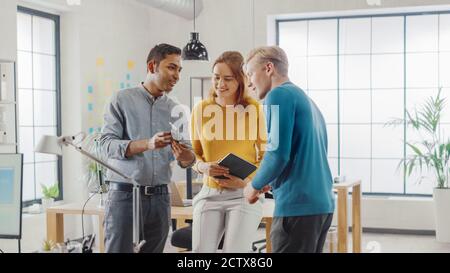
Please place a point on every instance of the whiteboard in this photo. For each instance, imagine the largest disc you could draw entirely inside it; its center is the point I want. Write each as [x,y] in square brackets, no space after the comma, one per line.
[11,196]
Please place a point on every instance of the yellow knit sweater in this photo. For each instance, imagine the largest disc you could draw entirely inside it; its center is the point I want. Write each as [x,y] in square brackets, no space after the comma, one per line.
[217,131]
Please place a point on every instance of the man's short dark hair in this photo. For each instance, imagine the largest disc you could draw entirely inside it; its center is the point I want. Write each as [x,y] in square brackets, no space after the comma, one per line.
[160,52]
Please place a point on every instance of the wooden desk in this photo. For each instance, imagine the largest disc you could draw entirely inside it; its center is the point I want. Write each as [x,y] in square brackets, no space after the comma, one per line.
[55,221]
[342,226]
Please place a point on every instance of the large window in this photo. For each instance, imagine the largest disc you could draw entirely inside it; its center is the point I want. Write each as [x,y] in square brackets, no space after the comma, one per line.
[363,71]
[38,97]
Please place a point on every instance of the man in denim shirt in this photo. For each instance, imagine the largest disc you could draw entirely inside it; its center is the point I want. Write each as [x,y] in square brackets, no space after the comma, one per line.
[137,140]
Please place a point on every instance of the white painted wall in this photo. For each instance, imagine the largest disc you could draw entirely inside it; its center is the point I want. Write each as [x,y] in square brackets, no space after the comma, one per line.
[120,30]
[8,40]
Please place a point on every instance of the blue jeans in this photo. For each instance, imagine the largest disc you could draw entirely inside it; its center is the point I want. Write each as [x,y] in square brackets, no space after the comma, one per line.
[118,225]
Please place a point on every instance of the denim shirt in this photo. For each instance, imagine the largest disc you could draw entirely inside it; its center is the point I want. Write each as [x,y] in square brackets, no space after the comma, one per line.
[134,114]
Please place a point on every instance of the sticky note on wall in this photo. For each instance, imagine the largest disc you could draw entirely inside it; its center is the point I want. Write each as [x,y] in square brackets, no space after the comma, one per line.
[131,65]
[100,61]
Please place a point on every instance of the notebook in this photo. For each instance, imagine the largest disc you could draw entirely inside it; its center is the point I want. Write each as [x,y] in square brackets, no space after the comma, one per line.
[238,167]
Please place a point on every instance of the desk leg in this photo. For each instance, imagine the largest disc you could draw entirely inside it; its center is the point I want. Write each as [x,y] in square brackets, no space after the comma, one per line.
[101,235]
[356,218]
[55,227]
[268,241]
[342,220]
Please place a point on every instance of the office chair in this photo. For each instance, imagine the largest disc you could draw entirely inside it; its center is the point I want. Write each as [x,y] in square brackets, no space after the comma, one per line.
[182,238]
[261,248]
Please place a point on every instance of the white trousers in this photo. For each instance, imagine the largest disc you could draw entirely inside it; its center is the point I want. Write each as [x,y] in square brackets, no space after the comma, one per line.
[226,212]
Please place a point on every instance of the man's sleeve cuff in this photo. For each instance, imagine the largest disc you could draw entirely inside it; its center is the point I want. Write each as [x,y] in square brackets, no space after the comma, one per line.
[123,147]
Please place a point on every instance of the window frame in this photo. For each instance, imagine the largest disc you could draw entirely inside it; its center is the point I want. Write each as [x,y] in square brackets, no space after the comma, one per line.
[56,19]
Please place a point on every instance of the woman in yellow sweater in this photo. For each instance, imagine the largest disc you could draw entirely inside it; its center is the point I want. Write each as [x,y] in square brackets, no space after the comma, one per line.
[229,121]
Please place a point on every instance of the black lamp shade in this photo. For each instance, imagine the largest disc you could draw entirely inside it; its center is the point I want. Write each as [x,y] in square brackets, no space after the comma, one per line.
[195,50]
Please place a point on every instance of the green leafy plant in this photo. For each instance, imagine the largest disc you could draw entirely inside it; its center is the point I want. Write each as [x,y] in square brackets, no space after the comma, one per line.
[95,171]
[48,245]
[50,191]
[93,167]
[433,149]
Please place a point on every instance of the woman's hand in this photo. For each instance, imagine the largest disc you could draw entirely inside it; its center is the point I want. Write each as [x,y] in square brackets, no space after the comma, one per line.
[212,169]
[232,182]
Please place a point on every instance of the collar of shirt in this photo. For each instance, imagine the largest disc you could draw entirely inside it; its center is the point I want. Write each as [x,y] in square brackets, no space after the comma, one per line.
[149,95]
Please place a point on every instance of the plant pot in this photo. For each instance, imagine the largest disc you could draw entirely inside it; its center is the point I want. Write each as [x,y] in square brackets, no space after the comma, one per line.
[441,206]
[47,202]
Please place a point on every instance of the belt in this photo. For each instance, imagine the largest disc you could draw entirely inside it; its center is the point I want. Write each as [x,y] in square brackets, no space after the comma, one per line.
[145,190]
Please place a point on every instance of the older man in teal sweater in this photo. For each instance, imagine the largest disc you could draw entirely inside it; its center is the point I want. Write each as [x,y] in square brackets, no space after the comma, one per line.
[295,164]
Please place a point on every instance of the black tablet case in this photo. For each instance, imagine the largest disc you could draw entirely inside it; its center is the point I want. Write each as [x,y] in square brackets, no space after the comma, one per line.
[238,167]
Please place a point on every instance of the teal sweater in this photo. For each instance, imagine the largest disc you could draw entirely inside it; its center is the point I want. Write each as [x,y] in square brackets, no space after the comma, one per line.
[295,163]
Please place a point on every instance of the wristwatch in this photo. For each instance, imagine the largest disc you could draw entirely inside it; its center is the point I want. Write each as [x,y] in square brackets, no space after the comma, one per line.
[189,166]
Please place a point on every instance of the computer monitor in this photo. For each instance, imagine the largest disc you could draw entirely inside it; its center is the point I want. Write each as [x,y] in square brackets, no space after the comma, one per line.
[11,196]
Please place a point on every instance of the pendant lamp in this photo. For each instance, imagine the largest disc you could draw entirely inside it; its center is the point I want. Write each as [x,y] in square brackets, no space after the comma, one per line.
[195,50]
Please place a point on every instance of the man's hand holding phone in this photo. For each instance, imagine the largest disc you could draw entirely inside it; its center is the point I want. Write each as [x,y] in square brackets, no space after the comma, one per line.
[160,140]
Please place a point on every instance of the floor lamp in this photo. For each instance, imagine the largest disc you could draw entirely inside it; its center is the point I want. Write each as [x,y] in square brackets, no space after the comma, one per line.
[53,145]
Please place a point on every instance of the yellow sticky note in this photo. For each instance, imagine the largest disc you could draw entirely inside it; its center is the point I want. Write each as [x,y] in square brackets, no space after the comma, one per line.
[131,65]
[100,62]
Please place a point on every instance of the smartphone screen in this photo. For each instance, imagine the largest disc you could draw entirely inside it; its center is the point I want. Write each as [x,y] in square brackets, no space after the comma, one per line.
[176,135]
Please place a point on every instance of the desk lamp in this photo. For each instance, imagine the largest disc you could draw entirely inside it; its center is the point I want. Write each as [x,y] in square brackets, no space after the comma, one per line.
[53,145]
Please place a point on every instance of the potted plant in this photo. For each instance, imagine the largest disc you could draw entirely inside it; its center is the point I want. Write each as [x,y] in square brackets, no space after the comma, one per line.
[432,152]
[49,194]
[94,172]
[48,246]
